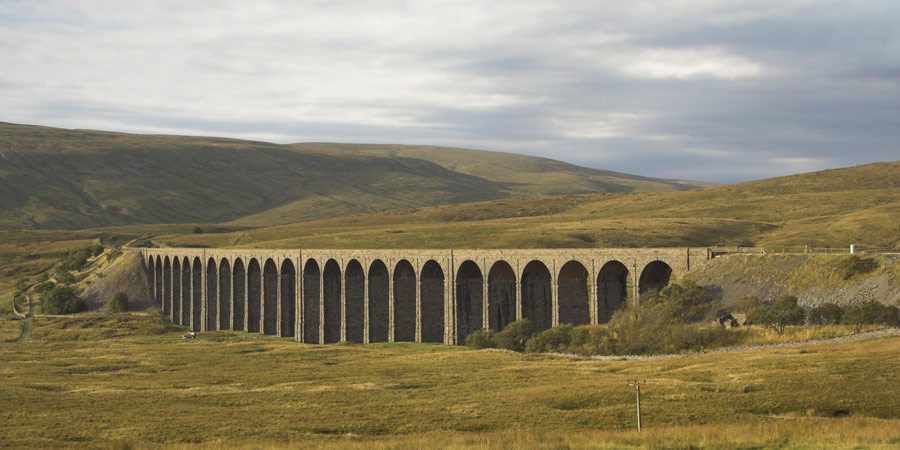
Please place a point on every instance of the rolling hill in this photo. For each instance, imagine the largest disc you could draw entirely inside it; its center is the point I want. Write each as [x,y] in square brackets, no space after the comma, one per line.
[53,178]
[833,208]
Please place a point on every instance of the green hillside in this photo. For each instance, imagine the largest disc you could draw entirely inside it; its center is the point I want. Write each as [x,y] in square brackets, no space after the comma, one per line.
[54,178]
[832,208]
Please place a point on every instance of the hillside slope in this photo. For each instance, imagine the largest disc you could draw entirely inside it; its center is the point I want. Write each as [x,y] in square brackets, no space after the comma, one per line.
[833,208]
[72,179]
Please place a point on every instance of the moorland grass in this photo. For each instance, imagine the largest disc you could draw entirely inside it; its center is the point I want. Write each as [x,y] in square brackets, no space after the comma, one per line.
[93,381]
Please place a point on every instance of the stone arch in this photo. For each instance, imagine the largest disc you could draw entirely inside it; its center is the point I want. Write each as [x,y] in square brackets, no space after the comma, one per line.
[157,282]
[311,279]
[404,302]
[612,289]
[654,276]
[501,295]
[431,284]
[537,299]
[167,287]
[270,298]
[379,310]
[212,298]
[331,277]
[288,298]
[355,307]
[572,294]
[254,295]
[186,292]
[197,295]
[240,294]
[224,307]
[176,290]
[469,300]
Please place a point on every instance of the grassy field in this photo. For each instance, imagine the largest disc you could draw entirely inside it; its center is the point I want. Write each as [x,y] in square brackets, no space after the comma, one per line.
[132,382]
[833,208]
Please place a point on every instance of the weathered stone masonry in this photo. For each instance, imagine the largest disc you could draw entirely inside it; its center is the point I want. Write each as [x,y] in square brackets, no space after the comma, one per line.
[325,296]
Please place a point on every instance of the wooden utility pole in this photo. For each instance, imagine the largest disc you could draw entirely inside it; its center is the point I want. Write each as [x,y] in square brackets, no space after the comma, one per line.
[637,384]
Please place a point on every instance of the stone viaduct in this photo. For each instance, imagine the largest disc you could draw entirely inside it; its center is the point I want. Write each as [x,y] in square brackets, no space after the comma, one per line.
[325,296]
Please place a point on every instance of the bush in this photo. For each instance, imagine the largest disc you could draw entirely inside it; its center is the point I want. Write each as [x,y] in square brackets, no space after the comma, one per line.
[556,339]
[65,278]
[870,312]
[825,314]
[854,265]
[783,312]
[142,243]
[482,339]
[21,284]
[113,255]
[119,302]
[685,302]
[515,335]
[44,287]
[61,300]
[197,230]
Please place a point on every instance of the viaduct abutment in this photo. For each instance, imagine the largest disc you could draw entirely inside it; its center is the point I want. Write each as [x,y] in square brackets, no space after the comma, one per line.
[325,296]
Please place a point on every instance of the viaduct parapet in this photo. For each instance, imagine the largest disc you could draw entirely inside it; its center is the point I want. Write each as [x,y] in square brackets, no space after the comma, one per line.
[325,296]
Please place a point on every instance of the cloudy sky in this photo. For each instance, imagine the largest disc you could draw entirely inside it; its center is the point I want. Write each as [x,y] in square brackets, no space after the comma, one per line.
[718,91]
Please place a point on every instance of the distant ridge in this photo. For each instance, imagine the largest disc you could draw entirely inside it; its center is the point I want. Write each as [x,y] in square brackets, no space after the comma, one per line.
[53,178]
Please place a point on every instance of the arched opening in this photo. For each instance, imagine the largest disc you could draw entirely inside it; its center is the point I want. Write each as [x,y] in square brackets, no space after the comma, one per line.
[537,301]
[574,305]
[254,295]
[654,276]
[379,311]
[612,290]
[158,283]
[197,295]
[311,301]
[167,287]
[288,298]
[240,294]
[501,295]
[186,292]
[224,295]
[469,300]
[270,298]
[332,304]
[355,309]
[404,302]
[176,290]
[432,298]
[212,297]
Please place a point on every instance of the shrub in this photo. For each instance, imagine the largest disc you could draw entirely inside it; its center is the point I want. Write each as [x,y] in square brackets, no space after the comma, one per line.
[61,300]
[825,314]
[119,302]
[853,265]
[482,339]
[142,243]
[113,255]
[21,284]
[65,278]
[197,230]
[870,312]
[515,335]
[685,302]
[556,339]
[44,287]
[783,312]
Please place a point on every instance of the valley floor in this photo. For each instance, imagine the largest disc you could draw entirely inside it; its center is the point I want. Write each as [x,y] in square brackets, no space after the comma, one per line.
[131,381]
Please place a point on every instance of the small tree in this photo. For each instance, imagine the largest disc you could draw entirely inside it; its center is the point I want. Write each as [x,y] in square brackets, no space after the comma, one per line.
[825,314]
[870,312]
[61,300]
[783,312]
[119,302]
